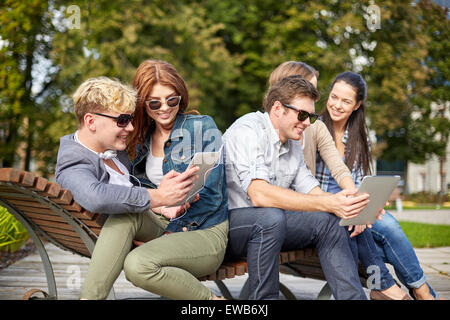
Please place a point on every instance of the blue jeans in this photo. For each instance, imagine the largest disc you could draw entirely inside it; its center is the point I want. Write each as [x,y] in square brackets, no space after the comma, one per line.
[257,234]
[261,233]
[364,249]
[395,248]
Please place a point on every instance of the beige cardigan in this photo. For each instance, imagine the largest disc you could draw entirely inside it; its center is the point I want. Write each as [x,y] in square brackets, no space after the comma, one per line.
[318,138]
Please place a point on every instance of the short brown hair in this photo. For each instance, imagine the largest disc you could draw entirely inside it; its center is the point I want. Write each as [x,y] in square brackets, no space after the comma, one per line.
[289,88]
[103,95]
[290,68]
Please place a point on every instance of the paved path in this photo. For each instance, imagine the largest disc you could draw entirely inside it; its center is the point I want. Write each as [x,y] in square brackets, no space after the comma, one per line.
[424,216]
[70,269]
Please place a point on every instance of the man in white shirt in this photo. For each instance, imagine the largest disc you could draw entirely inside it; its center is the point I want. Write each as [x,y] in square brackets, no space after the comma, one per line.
[276,203]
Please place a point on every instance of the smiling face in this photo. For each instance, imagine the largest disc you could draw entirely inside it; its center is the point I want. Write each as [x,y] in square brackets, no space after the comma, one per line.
[164,117]
[106,134]
[95,101]
[287,123]
[342,102]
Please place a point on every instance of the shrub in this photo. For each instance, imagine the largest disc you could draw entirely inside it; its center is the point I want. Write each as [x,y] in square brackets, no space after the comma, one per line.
[426,197]
[12,234]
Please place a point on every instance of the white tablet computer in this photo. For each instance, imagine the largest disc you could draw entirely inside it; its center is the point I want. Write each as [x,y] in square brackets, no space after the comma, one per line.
[379,188]
[206,162]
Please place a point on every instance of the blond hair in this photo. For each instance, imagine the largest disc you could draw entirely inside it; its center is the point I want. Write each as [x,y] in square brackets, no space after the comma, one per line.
[291,68]
[103,95]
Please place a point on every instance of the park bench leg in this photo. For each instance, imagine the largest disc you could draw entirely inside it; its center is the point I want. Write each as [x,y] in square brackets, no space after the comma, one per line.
[287,293]
[51,283]
[325,293]
[245,291]
[224,290]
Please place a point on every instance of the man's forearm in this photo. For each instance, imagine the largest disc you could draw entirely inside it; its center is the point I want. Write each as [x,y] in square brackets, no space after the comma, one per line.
[263,194]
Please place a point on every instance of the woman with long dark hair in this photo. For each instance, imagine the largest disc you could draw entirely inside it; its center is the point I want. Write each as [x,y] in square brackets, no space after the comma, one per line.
[345,118]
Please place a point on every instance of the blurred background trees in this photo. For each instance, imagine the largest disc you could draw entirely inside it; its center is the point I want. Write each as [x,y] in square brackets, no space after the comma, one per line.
[225,50]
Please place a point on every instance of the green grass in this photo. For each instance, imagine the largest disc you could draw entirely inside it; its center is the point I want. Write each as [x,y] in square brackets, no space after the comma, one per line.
[424,235]
[12,234]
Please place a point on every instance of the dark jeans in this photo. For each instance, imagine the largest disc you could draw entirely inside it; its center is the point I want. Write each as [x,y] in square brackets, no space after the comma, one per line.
[258,234]
[261,233]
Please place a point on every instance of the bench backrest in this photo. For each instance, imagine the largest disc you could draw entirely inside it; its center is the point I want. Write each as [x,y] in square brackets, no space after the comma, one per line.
[47,207]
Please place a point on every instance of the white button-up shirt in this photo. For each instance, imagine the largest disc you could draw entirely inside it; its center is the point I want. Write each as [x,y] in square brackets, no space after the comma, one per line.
[253,150]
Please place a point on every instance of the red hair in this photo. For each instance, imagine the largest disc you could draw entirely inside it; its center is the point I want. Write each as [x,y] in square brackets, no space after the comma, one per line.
[149,73]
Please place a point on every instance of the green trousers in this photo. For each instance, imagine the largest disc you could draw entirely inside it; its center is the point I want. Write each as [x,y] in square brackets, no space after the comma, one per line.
[167,264]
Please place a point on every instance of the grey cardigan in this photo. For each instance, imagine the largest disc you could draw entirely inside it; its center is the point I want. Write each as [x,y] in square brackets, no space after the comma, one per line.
[84,174]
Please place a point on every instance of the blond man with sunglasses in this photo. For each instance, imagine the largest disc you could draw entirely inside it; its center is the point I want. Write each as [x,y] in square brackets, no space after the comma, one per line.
[91,165]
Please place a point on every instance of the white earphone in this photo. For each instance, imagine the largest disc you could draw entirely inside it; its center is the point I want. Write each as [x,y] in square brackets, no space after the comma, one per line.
[108,154]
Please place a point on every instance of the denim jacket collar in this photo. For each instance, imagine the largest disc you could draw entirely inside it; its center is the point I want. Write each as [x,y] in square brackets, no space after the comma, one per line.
[213,205]
[174,134]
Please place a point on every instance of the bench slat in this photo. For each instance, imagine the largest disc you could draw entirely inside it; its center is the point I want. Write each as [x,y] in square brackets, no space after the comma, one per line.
[52,190]
[39,184]
[27,203]
[10,175]
[64,197]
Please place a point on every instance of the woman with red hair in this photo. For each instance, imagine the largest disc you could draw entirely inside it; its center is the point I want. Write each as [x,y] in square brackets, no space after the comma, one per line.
[165,138]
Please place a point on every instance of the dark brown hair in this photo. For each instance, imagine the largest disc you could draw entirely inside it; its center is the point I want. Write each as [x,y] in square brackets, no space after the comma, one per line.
[287,89]
[357,152]
[148,74]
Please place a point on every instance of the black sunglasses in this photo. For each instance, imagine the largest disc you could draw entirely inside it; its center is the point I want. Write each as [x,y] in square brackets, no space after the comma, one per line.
[302,114]
[171,102]
[122,120]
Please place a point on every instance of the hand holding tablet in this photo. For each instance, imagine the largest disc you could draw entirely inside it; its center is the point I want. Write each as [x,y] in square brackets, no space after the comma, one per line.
[379,188]
[206,161]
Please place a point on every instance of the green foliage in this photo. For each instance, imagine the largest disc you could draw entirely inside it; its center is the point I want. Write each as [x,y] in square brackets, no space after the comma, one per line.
[226,51]
[423,235]
[12,234]
[408,75]
[130,33]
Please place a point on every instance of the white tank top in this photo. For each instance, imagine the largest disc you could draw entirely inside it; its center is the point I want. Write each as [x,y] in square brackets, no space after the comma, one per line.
[153,167]
[117,178]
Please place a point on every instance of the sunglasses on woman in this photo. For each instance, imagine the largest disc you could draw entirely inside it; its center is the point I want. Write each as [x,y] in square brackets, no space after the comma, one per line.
[122,120]
[302,114]
[171,102]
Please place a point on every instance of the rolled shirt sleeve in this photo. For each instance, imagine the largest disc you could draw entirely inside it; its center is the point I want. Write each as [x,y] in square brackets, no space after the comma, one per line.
[304,181]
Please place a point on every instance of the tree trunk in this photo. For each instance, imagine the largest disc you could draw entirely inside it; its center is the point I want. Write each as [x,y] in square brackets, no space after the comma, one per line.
[443,174]
[29,147]
[405,180]
[11,143]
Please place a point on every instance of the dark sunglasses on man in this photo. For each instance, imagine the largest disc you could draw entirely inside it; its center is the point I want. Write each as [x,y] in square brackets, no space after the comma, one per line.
[122,120]
[171,102]
[302,114]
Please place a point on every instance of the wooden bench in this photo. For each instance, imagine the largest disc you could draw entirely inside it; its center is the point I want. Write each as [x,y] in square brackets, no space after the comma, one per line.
[49,212]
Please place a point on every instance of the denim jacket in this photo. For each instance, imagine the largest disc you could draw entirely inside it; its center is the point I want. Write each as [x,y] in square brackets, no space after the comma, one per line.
[190,134]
